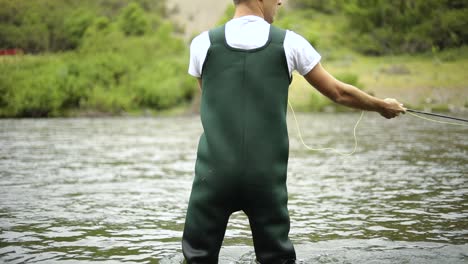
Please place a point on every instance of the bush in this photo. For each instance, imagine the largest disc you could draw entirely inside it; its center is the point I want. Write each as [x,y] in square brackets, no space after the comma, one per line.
[120,65]
[349,78]
[326,6]
[76,25]
[386,27]
[107,100]
[34,97]
[318,102]
[166,88]
[51,25]
[133,21]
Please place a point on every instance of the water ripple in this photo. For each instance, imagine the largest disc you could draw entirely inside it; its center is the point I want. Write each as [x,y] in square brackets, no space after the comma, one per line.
[116,190]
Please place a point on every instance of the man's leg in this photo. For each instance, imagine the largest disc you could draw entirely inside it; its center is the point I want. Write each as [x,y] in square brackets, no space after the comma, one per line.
[269,222]
[205,225]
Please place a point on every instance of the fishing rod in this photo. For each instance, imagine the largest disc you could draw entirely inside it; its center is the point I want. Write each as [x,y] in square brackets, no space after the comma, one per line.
[437,115]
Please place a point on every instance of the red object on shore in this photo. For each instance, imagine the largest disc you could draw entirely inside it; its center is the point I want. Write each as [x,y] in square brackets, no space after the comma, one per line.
[6,52]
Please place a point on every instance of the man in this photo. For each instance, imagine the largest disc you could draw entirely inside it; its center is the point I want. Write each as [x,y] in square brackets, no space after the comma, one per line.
[244,69]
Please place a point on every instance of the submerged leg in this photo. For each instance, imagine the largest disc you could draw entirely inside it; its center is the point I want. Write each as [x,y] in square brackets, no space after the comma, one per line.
[269,221]
[205,224]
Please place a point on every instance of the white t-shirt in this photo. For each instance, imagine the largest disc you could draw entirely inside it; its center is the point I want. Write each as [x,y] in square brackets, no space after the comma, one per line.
[251,32]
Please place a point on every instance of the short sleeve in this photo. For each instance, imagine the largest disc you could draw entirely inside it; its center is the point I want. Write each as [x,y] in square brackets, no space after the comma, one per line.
[300,54]
[198,50]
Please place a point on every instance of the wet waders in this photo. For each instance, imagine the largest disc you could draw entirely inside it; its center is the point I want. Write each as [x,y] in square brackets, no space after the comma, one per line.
[243,153]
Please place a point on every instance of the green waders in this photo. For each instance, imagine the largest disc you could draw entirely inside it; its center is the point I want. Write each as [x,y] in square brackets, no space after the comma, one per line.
[242,155]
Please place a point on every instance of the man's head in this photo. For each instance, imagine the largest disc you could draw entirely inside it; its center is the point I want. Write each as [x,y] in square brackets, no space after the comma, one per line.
[267,8]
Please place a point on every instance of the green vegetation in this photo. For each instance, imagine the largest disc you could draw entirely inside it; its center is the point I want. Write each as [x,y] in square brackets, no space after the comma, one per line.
[115,61]
[419,81]
[430,78]
[51,25]
[378,27]
[115,57]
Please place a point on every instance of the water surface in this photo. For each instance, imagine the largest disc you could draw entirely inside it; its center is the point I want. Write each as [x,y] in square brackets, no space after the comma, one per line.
[115,190]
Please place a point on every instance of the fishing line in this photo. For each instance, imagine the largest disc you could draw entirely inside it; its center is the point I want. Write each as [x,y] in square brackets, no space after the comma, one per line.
[409,111]
[328,149]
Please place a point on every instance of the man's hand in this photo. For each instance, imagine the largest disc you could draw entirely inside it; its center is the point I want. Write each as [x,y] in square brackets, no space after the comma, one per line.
[391,108]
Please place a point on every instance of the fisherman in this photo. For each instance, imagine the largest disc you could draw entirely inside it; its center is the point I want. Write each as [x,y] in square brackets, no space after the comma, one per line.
[244,69]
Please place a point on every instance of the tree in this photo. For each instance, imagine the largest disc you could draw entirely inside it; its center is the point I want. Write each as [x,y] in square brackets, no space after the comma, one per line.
[396,26]
[133,21]
[325,6]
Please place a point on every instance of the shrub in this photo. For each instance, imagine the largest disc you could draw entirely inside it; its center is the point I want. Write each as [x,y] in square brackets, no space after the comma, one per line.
[107,100]
[170,86]
[36,97]
[385,27]
[349,78]
[133,21]
[318,102]
[326,6]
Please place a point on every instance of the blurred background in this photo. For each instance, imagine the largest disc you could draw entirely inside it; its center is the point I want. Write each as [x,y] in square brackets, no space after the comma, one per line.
[118,57]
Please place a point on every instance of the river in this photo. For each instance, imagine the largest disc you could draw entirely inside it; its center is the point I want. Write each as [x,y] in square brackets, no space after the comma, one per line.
[115,190]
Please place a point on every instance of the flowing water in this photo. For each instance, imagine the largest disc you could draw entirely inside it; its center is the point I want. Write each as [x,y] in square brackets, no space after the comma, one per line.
[115,190]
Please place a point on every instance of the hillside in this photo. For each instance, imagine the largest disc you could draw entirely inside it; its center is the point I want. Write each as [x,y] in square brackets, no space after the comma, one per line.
[197,16]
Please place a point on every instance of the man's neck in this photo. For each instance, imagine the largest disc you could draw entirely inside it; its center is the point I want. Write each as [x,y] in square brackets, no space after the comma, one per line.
[248,9]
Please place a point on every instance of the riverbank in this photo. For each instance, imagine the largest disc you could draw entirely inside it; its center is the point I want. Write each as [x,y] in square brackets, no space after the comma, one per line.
[112,74]
[432,83]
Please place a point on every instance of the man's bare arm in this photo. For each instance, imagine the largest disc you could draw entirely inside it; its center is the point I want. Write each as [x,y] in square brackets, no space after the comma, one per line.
[199,83]
[351,96]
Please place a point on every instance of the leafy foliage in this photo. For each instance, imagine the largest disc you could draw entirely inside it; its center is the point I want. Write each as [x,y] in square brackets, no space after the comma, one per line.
[51,25]
[326,6]
[121,62]
[383,27]
[133,21]
[377,27]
